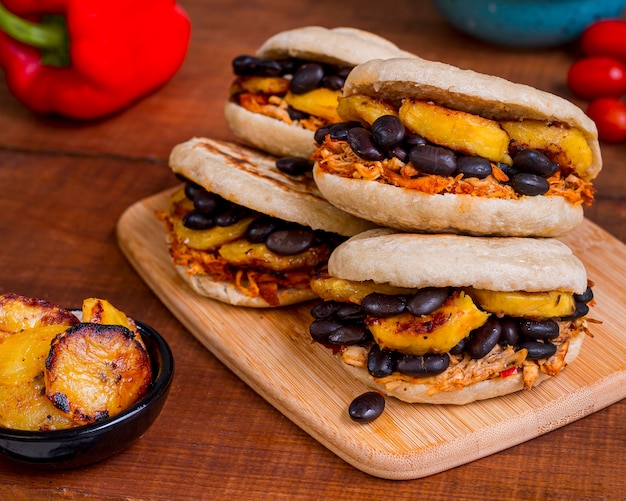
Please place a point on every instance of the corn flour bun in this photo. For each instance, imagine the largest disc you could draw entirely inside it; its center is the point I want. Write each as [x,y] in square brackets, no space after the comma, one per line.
[421,260]
[341,46]
[466,91]
[250,179]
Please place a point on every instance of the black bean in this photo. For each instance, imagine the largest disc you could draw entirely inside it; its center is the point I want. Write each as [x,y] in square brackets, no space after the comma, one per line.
[580,311]
[534,162]
[383,305]
[469,166]
[306,78]
[380,363]
[326,309]
[343,71]
[350,334]
[482,340]
[366,407]
[297,114]
[320,329]
[250,65]
[539,329]
[191,189]
[424,365]
[290,241]
[339,131]
[538,349]
[530,184]
[259,229]
[321,133]
[350,312]
[510,331]
[294,166]
[459,347]
[509,170]
[362,144]
[411,140]
[400,153]
[288,65]
[427,300]
[228,216]
[205,201]
[585,297]
[387,131]
[333,82]
[433,160]
[198,221]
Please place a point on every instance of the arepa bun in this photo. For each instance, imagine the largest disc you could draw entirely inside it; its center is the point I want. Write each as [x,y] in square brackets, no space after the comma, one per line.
[340,46]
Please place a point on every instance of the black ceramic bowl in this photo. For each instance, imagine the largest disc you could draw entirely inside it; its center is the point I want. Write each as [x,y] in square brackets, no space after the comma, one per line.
[74,447]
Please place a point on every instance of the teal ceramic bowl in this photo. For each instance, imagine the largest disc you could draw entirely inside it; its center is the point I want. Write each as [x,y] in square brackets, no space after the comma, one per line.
[528,24]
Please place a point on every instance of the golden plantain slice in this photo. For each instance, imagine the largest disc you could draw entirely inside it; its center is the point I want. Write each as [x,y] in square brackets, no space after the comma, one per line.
[18,313]
[95,371]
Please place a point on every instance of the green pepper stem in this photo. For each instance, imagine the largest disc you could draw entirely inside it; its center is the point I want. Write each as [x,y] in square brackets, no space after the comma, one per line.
[50,35]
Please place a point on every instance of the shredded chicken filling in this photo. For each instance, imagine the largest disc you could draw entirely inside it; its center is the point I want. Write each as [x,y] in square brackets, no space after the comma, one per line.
[464,371]
[336,157]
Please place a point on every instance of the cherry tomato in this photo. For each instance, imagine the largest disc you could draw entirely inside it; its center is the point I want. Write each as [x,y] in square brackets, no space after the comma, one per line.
[609,114]
[597,76]
[605,38]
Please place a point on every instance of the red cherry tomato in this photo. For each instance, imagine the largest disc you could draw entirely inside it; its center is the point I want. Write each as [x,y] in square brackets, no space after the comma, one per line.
[597,76]
[609,114]
[605,38]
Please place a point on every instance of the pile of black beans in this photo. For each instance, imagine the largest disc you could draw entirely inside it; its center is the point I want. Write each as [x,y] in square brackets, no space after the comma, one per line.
[338,323]
[305,75]
[388,138]
[281,237]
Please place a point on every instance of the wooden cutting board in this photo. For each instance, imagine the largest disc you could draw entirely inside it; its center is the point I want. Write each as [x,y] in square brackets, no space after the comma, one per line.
[272,352]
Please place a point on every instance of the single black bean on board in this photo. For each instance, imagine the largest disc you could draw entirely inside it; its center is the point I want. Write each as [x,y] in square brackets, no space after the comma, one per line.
[387,131]
[539,329]
[350,334]
[534,162]
[380,363]
[367,407]
[427,300]
[306,78]
[289,242]
[433,160]
[294,166]
[383,305]
[538,349]
[482,340]
[469,166]
[361,142]
[430,364]
[530,184]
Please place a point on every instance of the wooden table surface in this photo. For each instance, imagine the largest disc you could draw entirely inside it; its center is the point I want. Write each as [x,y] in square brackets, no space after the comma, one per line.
[64,186]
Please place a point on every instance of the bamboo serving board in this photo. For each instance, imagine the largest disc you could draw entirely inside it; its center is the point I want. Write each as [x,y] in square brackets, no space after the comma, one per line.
[272,352]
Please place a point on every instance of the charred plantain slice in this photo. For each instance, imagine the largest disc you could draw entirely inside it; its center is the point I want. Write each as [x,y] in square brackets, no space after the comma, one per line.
[18,313]
[95,371]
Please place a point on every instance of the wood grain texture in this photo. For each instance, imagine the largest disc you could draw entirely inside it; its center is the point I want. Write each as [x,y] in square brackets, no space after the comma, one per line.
[272,352]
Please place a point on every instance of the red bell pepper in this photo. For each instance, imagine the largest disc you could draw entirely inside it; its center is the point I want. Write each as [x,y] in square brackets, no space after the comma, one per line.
[86,59]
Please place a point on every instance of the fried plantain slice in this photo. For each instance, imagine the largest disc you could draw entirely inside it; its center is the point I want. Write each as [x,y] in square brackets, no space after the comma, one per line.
[95,371]
[18,313]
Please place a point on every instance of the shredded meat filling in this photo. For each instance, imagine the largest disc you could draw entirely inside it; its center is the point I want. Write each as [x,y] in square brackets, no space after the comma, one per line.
[337,157]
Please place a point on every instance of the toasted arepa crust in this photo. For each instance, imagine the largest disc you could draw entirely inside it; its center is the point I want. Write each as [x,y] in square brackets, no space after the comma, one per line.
[414,392]
[412,210]
[341,46]
[250,178]
[421,260]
